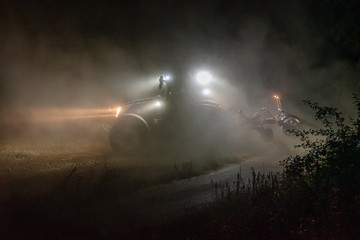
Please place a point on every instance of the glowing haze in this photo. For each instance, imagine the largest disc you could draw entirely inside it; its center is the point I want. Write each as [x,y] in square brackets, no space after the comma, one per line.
[91,55]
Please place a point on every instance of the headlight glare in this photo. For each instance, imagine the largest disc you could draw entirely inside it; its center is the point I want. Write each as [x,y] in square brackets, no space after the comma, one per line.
[203,77]
[118,111]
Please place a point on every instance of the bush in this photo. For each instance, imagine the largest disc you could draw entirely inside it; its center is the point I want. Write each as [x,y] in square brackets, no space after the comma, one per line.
[329,171]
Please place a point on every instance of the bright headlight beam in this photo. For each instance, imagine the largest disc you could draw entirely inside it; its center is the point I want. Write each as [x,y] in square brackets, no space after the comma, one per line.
[118,111]
[203,77]
[206,91]
[158,104]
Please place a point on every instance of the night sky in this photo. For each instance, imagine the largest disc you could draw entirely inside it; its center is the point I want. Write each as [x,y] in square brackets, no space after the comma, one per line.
[92,52]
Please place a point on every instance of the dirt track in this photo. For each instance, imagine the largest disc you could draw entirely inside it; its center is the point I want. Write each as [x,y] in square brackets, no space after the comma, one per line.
[166,198]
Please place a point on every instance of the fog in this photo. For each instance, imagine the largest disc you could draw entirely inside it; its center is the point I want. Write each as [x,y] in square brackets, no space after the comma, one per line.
[69,57]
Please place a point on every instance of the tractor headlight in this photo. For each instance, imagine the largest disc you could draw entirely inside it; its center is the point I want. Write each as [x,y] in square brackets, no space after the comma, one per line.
[167,78]
[203,77]
[158,104]
[118,111]
[206,91]
[115,111]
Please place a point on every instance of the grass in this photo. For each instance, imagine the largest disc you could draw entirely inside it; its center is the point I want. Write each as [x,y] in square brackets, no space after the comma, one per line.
[80,202]
[265,206]
[75,194]
[242,209]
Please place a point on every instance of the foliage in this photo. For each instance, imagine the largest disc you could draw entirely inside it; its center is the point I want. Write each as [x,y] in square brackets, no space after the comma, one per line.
[330,168]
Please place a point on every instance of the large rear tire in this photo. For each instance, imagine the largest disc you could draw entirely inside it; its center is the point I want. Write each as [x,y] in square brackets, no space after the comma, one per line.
[129,136]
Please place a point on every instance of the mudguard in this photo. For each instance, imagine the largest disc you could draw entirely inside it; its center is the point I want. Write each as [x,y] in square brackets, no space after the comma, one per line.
[136,116]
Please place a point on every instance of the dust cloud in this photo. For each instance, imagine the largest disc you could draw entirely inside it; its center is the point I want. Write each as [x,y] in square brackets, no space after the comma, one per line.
[68,70]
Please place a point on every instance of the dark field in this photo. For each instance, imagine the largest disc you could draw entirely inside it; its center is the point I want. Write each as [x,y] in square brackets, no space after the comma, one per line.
[63,181]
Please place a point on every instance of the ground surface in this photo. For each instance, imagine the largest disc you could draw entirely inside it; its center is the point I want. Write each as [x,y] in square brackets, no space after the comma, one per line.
[72,177]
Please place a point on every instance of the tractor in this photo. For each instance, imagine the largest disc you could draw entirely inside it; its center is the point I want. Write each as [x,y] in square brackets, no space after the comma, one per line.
[183,117]
[179,117]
